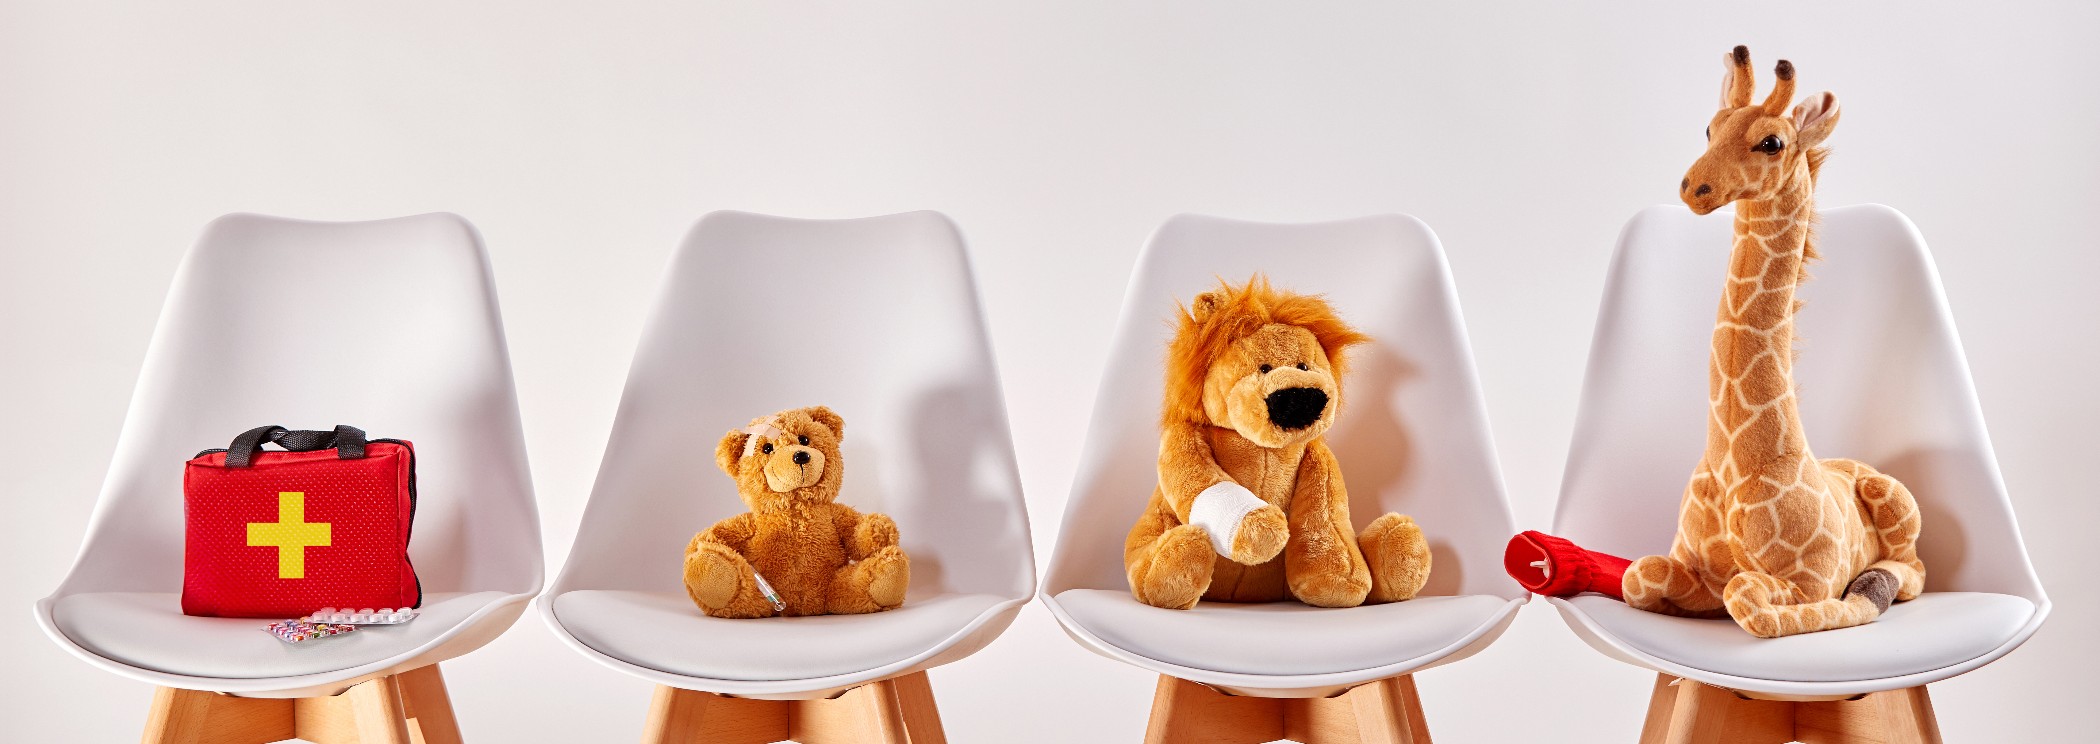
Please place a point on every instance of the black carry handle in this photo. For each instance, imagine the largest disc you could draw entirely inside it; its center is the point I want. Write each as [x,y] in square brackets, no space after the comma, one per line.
[348,441]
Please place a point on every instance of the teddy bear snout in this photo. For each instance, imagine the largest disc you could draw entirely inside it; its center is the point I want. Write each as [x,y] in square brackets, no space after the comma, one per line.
[797,467]
[1296,408]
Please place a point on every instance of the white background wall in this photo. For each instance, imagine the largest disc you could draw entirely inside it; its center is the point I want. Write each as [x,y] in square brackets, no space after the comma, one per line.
[582,138]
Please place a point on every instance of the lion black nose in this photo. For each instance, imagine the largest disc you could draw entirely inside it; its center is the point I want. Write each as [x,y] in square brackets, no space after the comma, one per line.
[1296,408]
[801,458]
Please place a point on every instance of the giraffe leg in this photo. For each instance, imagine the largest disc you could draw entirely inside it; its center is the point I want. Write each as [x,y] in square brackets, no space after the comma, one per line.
[1895,524]
[1665,585]
[1770,607]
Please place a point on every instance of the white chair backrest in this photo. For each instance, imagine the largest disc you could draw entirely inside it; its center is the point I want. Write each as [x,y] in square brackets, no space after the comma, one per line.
[390,326]
[1412,435]
[878,319]
[1881,378]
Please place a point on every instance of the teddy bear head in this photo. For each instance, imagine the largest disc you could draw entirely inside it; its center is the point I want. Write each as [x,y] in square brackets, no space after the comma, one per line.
[788,457]
[1263,362]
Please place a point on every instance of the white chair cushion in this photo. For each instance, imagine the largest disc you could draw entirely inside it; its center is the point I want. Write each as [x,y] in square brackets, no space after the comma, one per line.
[665,632]
[1279,638]
[1936,630]
[149,631]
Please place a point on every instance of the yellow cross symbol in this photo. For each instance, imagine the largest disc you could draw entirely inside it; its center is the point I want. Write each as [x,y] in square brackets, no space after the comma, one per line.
[291,534]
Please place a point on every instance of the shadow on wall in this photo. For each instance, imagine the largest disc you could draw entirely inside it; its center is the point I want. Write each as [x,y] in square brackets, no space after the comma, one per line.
[1376,453]
[958,462]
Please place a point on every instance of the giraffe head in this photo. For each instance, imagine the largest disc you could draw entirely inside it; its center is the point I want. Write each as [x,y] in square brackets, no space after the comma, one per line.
[1757,150]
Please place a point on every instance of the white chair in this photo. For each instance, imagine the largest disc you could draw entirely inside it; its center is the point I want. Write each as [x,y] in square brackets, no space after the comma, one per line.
[878,319]
[388,325]
[1882,380]
[1412,438]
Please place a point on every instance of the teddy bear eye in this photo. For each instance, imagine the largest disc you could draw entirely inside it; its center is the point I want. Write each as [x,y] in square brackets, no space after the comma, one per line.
[1301,366]
[1265,369]
[803,440]
[766,448]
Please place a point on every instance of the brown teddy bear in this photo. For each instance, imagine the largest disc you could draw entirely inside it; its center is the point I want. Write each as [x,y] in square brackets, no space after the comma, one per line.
[1250,505]
[797,552]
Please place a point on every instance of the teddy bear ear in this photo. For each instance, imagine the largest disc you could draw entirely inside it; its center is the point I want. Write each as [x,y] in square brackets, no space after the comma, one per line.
[1204,304]
[830,419]
[730,450]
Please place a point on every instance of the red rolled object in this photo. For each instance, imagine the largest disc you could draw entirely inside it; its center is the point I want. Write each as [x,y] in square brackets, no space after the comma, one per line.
[1554,567]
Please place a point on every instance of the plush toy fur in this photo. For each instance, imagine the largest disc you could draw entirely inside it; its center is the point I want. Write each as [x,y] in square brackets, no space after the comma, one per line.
[1250,505]
[1768,534]
[819,556]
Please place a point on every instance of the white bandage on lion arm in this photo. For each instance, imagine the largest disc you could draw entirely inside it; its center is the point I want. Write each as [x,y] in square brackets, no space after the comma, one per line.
[1219,509]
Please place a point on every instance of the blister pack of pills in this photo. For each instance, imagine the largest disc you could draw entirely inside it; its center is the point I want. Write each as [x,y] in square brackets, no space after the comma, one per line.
[366,616]
[300,631]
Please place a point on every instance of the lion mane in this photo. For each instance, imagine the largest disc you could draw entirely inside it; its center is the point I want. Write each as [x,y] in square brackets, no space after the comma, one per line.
[1207,328]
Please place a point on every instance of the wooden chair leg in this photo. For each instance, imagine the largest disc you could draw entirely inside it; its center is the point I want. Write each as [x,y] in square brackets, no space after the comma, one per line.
[195,717]
[1662,701]
[1184,712]
[922,718]
[408,708]
[892,711]
[1893,717]
[1704,713]
[679,716]
[428,707]
[1387,711]
[1694,713]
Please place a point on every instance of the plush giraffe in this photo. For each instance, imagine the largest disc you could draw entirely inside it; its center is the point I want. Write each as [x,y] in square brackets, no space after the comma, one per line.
[1777,539]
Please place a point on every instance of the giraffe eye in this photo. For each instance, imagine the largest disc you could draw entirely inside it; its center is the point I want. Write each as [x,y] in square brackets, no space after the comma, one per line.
[1770,144]
[1709,133]
[766,448]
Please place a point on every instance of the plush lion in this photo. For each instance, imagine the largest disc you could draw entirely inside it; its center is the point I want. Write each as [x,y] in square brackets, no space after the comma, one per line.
[1250,505]
[797,552]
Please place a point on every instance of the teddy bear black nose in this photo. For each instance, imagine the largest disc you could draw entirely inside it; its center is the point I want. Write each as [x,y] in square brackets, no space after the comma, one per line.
[801,458]
[1296,408]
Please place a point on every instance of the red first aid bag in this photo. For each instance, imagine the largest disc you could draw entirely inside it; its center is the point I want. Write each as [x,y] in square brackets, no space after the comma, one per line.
[324,523]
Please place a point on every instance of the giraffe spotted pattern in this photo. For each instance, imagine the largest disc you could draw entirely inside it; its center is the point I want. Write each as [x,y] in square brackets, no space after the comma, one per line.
[1770,535]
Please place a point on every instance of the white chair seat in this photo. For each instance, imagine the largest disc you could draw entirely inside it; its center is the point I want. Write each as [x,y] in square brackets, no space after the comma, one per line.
[1934,631]
[148,630]
[1281,638]
[663,631]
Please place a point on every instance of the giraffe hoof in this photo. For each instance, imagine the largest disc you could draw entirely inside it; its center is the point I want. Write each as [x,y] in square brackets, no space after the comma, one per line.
[1877,585]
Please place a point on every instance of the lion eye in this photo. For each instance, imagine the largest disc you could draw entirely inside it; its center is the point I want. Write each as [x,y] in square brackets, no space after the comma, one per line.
[1265,369]
[766,448]
[1770,144]
[1301,366]
[803,440]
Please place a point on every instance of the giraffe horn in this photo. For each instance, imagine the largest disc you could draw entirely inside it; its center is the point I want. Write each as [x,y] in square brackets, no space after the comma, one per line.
[1741,83]
[1782,91]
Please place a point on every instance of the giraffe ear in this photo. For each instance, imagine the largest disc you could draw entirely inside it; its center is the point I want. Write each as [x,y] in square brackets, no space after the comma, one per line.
[1727,83]
[1728,93]
[1815,118]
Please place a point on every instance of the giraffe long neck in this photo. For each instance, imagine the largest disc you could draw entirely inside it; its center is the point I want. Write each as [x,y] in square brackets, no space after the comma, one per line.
[1755,422]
